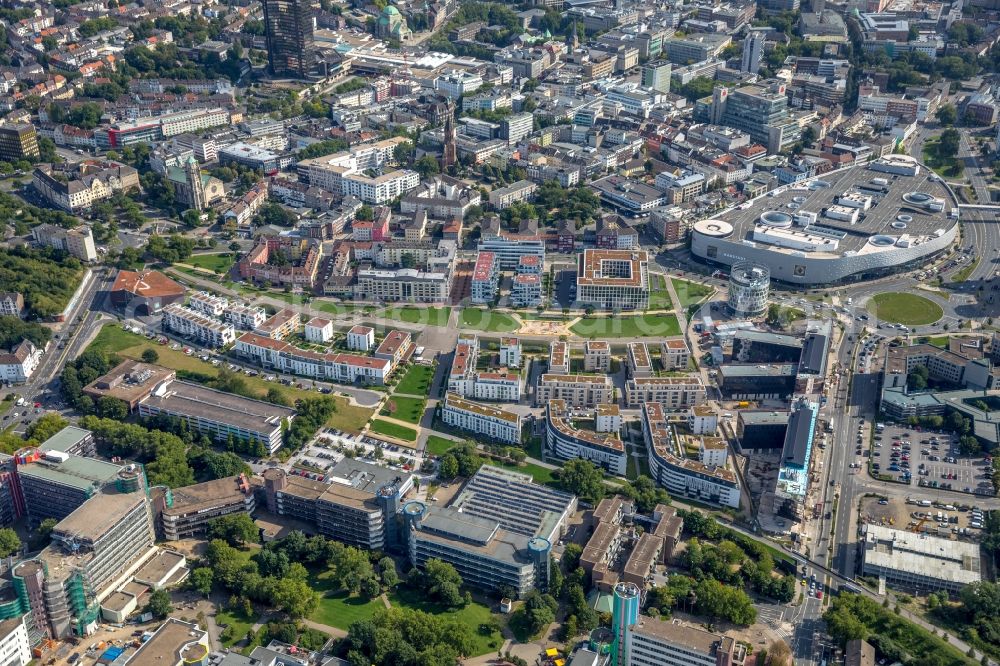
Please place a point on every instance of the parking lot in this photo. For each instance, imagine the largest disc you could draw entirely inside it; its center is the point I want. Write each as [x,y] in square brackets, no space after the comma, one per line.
[928,459]
[952,521]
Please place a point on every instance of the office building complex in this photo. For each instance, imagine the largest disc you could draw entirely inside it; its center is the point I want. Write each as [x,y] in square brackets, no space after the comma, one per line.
[289,29]
[759,110]
[185,512]
[357,503]
[220,415]
[613,279]
[497,532]
[53,484]
[18,142]
[652,642]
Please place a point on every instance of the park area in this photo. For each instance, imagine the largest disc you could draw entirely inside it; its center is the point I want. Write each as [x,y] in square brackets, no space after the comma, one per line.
[216,263]
[394,430]
[904,308]
[940,154]
[404,408]
[416,381]
[480,319]
[637,326]
[690,293]
[115,340]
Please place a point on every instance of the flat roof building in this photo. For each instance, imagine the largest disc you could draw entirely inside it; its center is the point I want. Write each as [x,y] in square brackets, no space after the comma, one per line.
[189,509]
[220,415]
[613,279]
[174,643]
[919,561]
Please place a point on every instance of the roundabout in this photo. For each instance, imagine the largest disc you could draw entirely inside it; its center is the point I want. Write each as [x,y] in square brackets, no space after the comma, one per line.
[904,308]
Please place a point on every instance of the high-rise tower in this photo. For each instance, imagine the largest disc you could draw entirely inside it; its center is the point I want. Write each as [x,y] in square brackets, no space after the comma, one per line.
[753,51]
[289,25]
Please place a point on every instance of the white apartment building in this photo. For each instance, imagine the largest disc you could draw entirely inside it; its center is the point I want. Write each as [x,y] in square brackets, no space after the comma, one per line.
[671,392]
[339,368]
[596,356]
[361,338]
[319,330]
[17,365]
[505,197]
[78,242]
[674,354]
[208,304]
[344,172]
[192,324]
[485,278]
[510,352]
[482,419]
[579,391]
[458,84]
[558,358]
[245,317]
[15,649]
[466,381]
[192,121]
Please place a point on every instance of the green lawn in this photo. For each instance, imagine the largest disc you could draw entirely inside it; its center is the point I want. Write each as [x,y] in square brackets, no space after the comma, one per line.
[336,607]
[437,446]
[659,297]
[486,320]
[689,293]
[948,168]
[405,409]
[633,326]
[905,308]
[115,339]
[237,625]
[474,615]
[416,381]
[390,429]
[411,315]
[217,263]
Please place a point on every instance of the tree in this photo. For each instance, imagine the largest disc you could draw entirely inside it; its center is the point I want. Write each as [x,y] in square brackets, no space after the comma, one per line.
[45,426]
[150,356]
[583,478]
[571,556]
[10,543]
[201,581]
[948,144]
[236,529]
[426,166]
[447,467]
[780,653]
[46,526]
[387,570]
[112,408]
[947,115]
[159,604]
[916,380]
[371,588]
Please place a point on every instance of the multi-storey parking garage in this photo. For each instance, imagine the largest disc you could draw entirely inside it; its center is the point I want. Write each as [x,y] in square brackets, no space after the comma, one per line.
[855,223]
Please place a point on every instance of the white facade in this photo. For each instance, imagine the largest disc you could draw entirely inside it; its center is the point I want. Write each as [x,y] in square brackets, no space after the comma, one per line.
[482,419]
[361,338]
[190,323]
[245,317]
[319,330]
[510,352]
[17,366]
[209,304]
[15,650]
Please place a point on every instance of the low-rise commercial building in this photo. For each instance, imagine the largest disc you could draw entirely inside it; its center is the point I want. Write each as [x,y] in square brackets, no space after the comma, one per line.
[919,561]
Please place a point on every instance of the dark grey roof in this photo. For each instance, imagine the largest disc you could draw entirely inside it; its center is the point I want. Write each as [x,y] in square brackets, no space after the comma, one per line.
[800,425]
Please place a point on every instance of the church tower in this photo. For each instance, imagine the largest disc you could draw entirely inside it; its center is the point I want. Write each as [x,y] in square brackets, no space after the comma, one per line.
[449,157]
[197,190]
[574,40]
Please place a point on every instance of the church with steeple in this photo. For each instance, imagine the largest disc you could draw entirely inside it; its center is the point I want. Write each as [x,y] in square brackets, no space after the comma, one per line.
[193,188]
